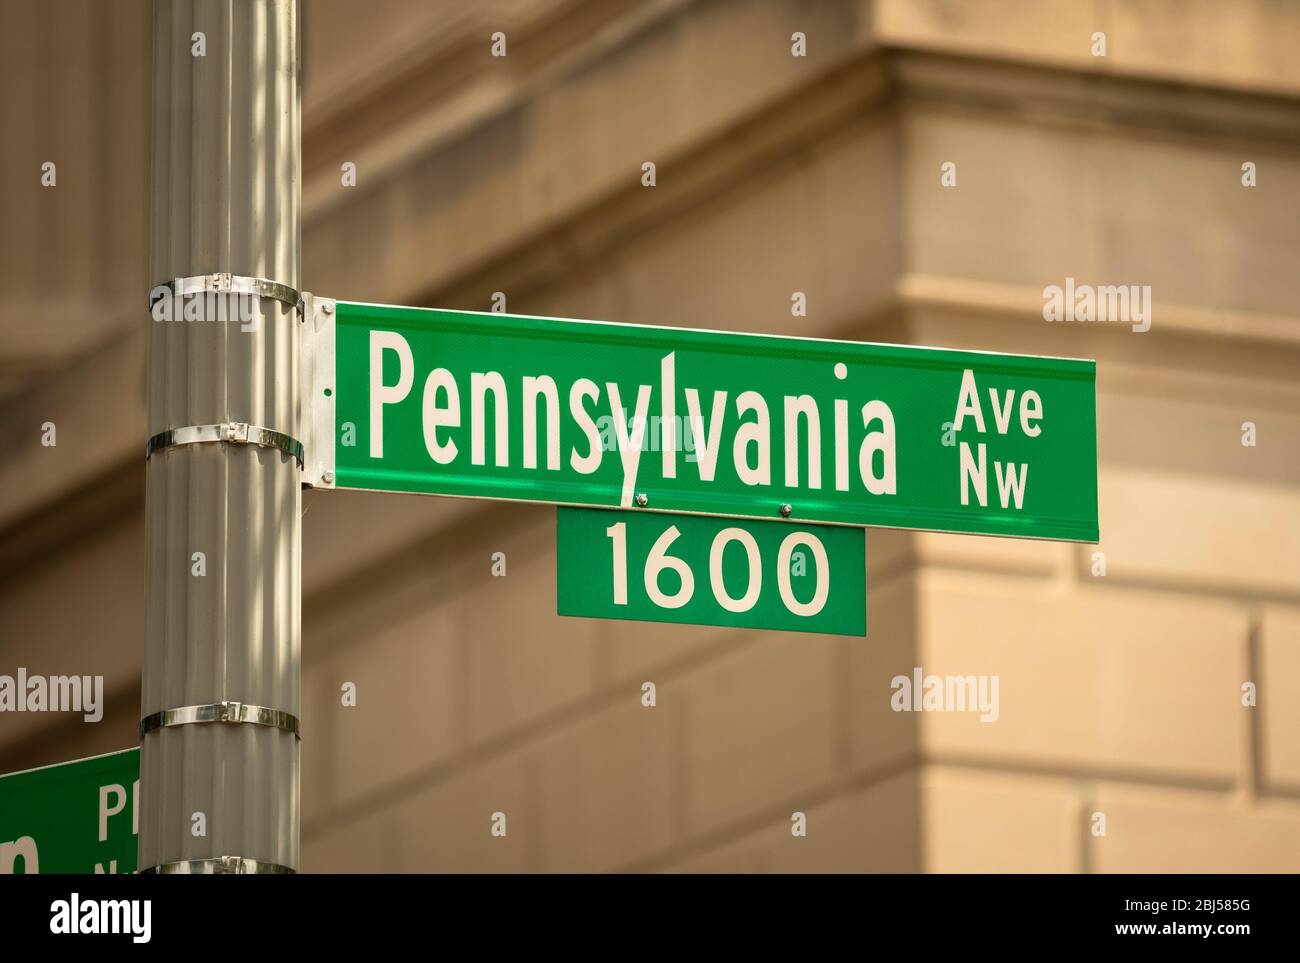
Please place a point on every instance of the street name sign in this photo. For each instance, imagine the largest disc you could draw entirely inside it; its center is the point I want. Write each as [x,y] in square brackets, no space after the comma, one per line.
[73,817]
[596,414]
[660,567]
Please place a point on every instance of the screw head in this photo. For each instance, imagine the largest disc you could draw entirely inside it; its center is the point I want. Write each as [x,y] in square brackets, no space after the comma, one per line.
[642,499]
[327,478]
[328,307]
[786,509]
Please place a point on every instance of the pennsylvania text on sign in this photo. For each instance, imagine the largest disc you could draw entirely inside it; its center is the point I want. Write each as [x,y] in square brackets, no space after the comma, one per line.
[617,415]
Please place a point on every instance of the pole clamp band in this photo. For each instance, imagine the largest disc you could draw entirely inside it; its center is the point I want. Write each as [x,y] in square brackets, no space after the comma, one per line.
[226,284]
[236,712]
[235,432]
[223,865]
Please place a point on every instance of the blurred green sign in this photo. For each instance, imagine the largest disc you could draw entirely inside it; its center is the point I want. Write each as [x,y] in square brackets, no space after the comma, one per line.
[74,817]
[710,571]
[616,415]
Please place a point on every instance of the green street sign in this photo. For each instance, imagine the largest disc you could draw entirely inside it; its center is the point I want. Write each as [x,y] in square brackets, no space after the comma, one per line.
[73,817]
[708,422]
[694,569]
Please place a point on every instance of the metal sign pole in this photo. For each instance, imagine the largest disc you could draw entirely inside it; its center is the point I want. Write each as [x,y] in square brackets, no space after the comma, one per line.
[220,690]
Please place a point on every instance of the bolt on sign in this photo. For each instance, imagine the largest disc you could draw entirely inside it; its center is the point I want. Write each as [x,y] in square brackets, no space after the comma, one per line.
[73,817]
[588,413]
[701,570]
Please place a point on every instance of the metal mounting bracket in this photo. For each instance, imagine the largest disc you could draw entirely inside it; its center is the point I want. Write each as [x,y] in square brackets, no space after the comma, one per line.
[229,712]
[219,865]
[320,391]
[232,432]
[222,283]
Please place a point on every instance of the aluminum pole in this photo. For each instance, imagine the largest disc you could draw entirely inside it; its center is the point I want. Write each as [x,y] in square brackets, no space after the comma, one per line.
[223,627]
